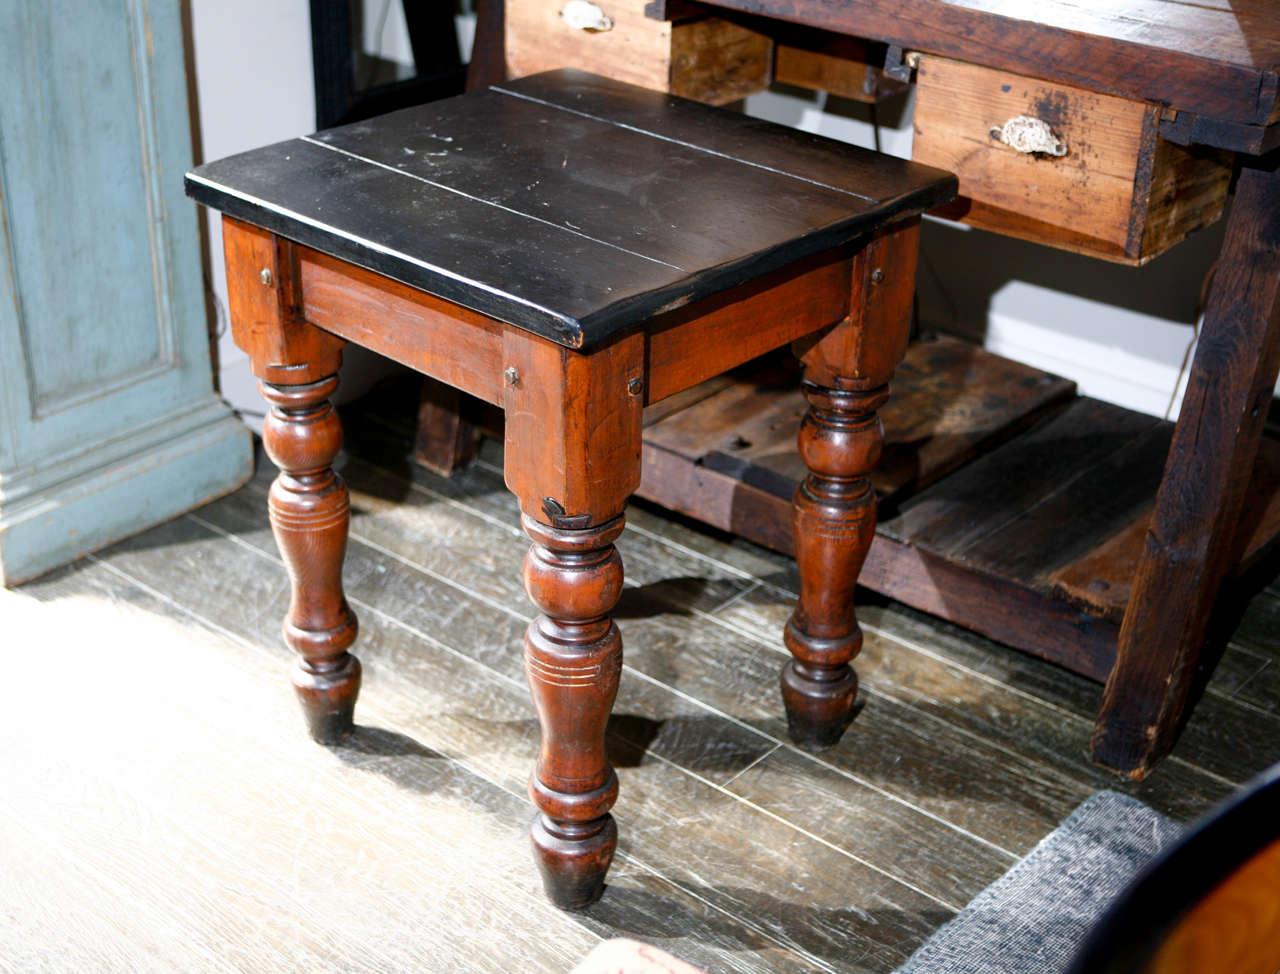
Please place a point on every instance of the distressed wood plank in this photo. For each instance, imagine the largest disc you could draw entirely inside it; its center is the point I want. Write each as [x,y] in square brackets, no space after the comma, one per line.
[646,715]
[962,713]
[888,917]
[950,401]
[736,675]
[185,848]
[952,515]
[949,864]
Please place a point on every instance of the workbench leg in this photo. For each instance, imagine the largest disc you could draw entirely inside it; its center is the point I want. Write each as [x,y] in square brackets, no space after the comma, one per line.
[1193,528]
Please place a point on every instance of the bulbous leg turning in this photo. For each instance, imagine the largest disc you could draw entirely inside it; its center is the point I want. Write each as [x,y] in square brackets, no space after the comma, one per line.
[310,511]
[833,522]
[573,658]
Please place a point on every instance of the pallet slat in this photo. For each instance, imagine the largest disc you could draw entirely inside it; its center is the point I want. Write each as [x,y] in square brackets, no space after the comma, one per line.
[1006,506]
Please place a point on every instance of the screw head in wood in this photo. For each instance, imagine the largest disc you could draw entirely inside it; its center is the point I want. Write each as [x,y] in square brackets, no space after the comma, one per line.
[511,376]
[265,276]
[635,387]
[877,276]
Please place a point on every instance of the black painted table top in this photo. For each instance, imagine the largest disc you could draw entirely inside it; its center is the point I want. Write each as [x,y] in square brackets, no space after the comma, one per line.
[565,203]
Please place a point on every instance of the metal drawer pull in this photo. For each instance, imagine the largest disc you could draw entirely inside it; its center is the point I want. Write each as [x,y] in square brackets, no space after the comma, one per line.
[583,15]
[1030,135]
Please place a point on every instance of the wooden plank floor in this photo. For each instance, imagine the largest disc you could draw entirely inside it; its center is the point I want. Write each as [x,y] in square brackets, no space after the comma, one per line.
[163,810]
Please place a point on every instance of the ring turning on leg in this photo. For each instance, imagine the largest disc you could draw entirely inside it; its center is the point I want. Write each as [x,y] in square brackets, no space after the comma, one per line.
[309,512]
[833,521]
[573,658]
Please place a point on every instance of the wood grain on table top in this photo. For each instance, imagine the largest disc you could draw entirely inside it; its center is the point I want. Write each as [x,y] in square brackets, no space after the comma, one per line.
[567,204]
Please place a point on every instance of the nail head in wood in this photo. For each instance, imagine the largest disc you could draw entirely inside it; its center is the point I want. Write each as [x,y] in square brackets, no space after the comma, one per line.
[511,376]
[266,277]
[877,276]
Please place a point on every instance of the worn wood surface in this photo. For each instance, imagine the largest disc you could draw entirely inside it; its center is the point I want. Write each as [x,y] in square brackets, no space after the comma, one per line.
[949,402]
[705,58]
[1102,580]
[1215,60]
[567,204]
[175,842]
[1193,528]
[1117,192]
[846,66]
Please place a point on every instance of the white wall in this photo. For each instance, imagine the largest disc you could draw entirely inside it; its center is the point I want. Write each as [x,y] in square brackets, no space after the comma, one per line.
[254,86]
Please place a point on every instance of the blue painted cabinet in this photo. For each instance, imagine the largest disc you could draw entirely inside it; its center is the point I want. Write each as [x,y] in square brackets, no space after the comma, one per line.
[108,419]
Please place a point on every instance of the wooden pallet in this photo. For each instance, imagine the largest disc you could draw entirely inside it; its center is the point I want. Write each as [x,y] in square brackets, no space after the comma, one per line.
[1009,505]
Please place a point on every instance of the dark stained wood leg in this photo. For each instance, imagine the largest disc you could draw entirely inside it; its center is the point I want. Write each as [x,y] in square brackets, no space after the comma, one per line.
[309,512]
[573,658]
[573,459]
[833,523]
[847,372]
[1192,532]
[297,367]
[446,440]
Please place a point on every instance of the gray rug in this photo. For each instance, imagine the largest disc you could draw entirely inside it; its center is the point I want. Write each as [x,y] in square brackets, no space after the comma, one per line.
[1032,919]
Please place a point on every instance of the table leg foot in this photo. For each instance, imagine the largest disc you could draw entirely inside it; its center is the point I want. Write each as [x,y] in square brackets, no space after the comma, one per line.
[819,703]
[573,858]
[327,690]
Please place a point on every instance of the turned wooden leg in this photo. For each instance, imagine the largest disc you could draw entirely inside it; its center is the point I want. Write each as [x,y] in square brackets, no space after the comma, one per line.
[847,373]
[573,657]
[833,522]
[309,515]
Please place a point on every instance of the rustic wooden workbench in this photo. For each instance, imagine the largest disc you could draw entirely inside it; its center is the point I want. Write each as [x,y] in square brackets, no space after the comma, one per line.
[1085,533]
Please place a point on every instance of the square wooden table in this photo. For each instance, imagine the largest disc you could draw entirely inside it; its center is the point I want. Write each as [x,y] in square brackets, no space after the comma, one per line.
[572,249]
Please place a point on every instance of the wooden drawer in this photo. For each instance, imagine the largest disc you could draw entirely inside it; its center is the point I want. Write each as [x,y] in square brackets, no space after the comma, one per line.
[844,66]
[707,59]
[1119,191]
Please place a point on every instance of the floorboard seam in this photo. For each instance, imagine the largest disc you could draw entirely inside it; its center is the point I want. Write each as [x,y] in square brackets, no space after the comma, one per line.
[702,704]
[1252,676]
[460,654]
[805,832]
[372,710]
[728,781]
[734,598]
